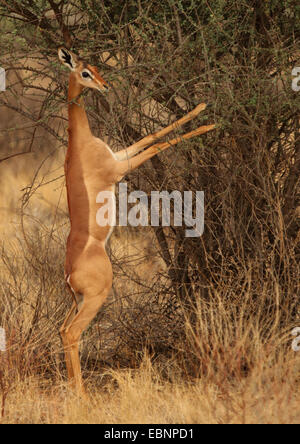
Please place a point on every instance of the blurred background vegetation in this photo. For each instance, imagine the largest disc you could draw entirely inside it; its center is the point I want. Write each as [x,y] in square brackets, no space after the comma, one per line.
[235,287]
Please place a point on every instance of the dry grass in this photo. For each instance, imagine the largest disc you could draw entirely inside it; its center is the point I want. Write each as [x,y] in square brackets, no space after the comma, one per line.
[229,369]
[46,188]
[268,396]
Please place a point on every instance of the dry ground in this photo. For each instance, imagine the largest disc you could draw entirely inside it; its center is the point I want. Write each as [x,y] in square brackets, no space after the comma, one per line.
[142,396]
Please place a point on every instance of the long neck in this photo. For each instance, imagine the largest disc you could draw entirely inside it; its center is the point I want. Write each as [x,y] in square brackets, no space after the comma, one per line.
[78,121]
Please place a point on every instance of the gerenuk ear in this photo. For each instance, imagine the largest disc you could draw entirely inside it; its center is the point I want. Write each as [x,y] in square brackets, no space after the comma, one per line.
[68,58]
